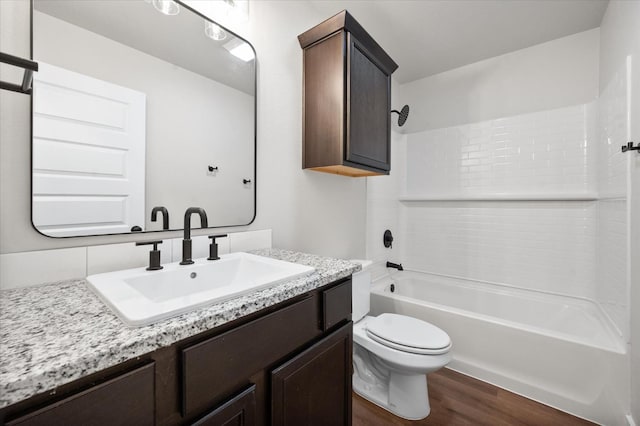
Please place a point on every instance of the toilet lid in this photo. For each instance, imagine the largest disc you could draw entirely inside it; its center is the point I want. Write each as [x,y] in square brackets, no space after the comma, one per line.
[408,334]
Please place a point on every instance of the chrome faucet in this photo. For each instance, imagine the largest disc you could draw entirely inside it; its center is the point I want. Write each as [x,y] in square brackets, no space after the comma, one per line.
[186,242]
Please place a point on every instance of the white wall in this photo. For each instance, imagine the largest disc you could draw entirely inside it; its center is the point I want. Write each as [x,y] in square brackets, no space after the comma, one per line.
[308,211]
[620,42]
[547,76]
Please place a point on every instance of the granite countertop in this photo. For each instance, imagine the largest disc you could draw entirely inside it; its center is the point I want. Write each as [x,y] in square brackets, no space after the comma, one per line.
[57,333]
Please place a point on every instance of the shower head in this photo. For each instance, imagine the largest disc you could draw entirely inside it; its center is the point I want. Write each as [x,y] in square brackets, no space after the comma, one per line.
[402,115]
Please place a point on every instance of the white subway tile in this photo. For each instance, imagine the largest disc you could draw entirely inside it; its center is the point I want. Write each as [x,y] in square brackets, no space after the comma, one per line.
[546,246]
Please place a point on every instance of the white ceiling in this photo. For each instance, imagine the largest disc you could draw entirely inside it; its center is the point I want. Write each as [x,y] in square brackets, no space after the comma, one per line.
[426,37]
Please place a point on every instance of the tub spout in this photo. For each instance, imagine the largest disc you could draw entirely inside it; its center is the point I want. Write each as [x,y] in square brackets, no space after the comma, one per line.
[398,266]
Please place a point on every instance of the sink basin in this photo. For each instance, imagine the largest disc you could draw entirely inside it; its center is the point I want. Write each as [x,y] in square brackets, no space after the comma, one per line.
[140,297]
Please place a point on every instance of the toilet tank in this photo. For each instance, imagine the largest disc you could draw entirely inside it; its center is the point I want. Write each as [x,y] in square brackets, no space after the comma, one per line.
[361,290]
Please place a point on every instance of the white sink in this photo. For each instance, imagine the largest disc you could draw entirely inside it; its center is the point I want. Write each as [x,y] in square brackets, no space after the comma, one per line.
[140,297]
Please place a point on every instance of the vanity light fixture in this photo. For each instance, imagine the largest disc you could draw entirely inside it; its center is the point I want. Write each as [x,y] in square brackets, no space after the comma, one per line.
[167,7]
[213,31]
[240,49]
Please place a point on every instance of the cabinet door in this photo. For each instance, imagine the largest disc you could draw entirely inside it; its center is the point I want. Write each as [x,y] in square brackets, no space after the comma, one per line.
[238,411]
[314,388]
[369,103]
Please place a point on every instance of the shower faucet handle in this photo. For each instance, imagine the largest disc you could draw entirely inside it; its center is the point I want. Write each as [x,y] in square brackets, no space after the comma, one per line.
[629,147]
[387,239]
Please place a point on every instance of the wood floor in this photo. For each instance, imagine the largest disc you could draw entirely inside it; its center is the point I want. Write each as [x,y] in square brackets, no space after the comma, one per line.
[460,400]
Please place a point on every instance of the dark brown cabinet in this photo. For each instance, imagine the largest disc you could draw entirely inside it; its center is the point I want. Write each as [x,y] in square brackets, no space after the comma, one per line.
[287,364]
[219,366]
[327,365]
[347,99]
[238,411]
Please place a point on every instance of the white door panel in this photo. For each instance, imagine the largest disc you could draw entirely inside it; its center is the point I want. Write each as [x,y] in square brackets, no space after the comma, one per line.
[81,210]
[73,158]
[88,156]
[62,184]
[106,214]
[71,131]
[79,106]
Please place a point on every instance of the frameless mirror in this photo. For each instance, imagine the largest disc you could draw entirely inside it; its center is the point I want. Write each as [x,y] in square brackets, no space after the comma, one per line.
[139,105]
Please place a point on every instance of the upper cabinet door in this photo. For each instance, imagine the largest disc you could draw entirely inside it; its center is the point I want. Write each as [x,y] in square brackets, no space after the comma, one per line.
[369,100]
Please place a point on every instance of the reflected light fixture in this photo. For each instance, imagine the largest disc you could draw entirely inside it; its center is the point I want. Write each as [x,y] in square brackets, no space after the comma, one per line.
[167,7]
[213,31]
[240,49]
[229,12]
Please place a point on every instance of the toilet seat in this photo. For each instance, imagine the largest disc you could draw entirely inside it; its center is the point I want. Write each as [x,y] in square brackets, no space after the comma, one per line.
[408,334]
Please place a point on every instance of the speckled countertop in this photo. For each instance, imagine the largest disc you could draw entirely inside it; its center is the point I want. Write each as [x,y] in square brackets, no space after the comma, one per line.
[54,334]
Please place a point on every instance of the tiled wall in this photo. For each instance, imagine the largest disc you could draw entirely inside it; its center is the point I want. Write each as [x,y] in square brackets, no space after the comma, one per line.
[575,245]
[612,228]
[540,245]
[613,127]
[612,288]
[38,267]
[548,152]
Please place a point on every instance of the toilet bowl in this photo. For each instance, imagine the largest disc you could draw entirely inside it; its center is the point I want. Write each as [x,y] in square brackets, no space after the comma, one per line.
[392,354]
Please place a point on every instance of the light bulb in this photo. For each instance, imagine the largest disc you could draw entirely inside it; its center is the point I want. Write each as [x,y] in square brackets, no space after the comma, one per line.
[214,32]
[168,7]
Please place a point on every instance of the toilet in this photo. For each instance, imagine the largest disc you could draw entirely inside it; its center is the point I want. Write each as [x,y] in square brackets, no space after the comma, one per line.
[393,353]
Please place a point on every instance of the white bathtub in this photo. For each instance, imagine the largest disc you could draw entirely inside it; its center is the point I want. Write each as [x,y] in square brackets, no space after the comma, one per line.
[558,350]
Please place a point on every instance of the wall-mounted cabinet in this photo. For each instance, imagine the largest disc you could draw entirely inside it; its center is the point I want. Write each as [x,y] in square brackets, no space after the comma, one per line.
[347,99]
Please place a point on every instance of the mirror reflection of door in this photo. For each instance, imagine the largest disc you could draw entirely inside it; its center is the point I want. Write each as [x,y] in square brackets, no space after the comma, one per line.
[88,156]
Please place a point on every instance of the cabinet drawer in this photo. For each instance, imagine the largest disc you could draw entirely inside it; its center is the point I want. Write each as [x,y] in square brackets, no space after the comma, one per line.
[336,305]
[125,400]
[218,366]
[239,410]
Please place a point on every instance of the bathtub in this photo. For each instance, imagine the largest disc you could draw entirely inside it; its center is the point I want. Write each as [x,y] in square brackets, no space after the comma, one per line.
[558,350]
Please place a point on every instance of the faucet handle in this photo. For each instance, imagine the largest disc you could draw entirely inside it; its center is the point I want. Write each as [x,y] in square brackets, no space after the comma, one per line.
[213,247]
[154,255]
[146,243]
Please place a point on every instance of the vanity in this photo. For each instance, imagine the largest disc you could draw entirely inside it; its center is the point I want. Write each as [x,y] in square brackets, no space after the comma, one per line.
[278,356]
